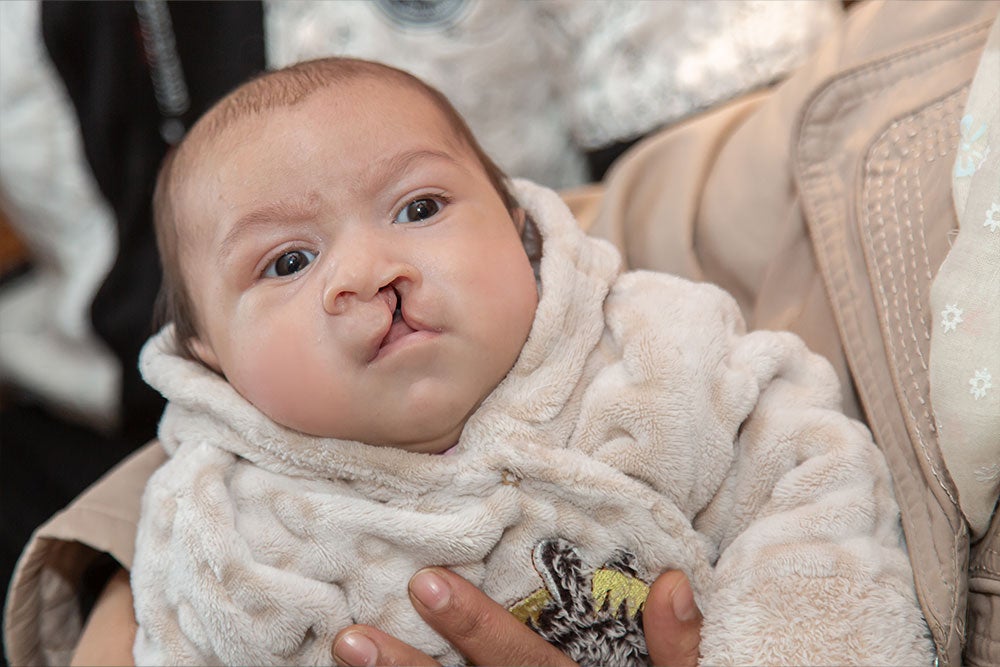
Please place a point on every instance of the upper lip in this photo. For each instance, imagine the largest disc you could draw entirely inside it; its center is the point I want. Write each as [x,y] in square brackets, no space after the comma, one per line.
[394,302]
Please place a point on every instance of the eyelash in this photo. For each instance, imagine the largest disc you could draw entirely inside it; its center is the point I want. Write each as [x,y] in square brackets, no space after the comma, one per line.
[440,197]
[272,261]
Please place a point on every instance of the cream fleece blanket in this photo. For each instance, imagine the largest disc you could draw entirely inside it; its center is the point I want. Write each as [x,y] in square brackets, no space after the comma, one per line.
[641,429]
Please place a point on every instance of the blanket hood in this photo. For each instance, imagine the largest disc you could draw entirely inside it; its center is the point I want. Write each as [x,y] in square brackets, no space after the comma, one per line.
[575,275]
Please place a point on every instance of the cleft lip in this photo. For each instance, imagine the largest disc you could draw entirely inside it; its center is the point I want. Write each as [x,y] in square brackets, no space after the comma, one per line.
[398,325]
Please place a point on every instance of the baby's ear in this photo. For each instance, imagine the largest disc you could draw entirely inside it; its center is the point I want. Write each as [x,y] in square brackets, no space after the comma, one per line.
[204,353]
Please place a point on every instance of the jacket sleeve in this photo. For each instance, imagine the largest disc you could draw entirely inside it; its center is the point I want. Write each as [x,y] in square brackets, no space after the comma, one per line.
[810,565]
[812,568]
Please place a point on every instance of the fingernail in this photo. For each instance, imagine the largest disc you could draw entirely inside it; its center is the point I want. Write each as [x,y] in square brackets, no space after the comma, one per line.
[683,603]
[430,589]
[356,650]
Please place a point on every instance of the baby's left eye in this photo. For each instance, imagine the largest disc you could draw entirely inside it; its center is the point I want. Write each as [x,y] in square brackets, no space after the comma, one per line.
[419,209]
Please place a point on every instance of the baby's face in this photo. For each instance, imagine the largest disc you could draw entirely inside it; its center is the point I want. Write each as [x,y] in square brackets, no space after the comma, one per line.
[355,273]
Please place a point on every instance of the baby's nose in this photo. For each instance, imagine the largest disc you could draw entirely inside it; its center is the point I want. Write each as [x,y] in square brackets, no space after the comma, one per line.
[344,289]
[340,296]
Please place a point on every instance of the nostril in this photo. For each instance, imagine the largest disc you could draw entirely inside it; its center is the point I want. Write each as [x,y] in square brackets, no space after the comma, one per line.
[335,301]
[398,312]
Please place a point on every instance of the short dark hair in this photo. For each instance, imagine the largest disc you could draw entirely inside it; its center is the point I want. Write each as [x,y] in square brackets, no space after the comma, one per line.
[280,88]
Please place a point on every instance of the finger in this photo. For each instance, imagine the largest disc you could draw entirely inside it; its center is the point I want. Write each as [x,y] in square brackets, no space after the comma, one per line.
[482,630]
[364,646]
[672,622]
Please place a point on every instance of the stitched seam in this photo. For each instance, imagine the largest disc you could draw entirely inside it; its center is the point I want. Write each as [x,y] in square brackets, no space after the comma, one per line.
[879,185]
[946,624]
[866,205]
[907,221]
[945,148]
[897,254]
[838,81]
[879,219]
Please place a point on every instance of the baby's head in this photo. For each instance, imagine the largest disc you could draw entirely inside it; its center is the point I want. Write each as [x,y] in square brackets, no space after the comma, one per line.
[337,245]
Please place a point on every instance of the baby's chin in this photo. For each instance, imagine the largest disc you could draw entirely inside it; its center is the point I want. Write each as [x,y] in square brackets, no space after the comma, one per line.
[441,443]
[434,432]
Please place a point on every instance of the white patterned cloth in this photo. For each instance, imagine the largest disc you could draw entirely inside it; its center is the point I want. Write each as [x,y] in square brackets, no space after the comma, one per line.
[965,297]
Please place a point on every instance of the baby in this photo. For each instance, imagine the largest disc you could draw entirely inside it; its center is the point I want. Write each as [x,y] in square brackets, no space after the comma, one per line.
[353,289]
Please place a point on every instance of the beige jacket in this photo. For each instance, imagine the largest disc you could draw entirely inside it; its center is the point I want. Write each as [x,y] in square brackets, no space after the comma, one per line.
[778,198]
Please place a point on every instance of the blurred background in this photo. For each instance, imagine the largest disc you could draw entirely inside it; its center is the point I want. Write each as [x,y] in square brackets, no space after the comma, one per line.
[93,95]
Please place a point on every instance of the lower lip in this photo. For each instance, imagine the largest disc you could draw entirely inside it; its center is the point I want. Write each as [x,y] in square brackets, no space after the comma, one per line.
[404,342]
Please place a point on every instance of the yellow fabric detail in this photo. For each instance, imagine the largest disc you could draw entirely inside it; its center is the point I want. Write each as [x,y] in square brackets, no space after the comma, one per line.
[531,606]
[617,587]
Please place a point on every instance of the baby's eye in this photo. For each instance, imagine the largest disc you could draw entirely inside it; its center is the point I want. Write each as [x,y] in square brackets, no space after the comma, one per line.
[419,209]
[289,263]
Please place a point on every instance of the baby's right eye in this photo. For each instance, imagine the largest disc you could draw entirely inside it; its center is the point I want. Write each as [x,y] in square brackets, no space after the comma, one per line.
[289,263]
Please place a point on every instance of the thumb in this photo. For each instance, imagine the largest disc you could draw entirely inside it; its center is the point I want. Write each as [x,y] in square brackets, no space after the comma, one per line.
[672,622]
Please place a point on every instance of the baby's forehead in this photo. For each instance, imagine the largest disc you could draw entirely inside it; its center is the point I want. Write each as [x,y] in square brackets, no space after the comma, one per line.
[234,126]
[268,97]
[247,121]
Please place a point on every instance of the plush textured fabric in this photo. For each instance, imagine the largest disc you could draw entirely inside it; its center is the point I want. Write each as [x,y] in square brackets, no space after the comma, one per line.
[641,429]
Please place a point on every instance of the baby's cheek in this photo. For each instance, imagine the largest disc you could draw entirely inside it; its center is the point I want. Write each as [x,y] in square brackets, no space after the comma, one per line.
[276,380]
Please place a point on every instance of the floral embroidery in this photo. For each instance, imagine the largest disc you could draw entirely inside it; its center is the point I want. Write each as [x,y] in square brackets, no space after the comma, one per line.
[980,383]
[972,149]
[951,317]
[993,217]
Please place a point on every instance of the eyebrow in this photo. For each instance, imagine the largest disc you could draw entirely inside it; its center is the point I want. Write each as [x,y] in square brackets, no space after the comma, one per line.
[388,169]
[267,217]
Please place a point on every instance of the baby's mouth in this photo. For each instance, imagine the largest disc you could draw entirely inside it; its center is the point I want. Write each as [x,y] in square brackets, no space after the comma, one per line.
[399,326]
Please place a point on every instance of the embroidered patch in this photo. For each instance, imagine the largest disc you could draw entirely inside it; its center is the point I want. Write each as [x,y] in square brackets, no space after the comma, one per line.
[595,617]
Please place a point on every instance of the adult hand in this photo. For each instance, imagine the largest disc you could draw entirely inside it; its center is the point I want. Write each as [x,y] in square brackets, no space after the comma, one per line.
[671,622]
[485,633]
